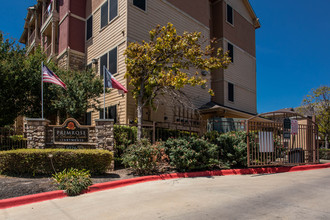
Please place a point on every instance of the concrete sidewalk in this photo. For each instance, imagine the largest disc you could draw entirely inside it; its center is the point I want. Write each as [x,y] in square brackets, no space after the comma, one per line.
[298,195]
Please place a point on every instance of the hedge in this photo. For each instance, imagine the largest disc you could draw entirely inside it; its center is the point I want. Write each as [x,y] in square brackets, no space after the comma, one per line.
[39,161]
[325,154]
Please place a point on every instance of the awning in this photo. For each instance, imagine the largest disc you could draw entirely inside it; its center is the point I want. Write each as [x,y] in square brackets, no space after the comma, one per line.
[212,109]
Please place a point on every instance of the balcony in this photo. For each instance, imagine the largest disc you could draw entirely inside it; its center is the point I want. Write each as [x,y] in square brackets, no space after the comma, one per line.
[32,41]
[48,51]
[49,15]
[32,38]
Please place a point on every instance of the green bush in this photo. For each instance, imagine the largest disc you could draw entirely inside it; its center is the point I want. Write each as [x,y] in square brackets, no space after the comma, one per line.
[44,161]
[325,154]
[17,138]
[233,149]
[191,153]
[123,136]
[142,157]
[73,181]
[162,134]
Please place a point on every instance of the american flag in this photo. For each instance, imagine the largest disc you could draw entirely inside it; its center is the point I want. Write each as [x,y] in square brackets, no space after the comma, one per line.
[50,77]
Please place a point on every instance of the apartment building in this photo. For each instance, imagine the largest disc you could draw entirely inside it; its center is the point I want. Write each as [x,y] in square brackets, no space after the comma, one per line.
[94,33]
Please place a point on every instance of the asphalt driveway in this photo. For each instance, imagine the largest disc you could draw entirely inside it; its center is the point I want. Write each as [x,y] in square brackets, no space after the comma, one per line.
[297,195]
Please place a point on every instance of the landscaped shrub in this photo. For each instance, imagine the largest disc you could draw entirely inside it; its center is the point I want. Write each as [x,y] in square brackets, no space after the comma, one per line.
[73,181]
[325,154]
[233,149]
[191,153]
[44,161]
[162,134]
[123,136]
[142,157]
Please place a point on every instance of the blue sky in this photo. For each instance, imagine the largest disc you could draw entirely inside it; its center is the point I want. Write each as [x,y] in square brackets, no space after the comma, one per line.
[292,47]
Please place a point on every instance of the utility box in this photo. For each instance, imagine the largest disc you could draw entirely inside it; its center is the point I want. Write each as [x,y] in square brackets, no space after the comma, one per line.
[296,155]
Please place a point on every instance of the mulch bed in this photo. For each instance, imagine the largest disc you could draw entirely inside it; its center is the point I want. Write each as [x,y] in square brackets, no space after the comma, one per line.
[20,186]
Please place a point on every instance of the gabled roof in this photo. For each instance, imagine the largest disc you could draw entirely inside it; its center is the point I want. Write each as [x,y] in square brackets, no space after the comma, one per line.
[252,13]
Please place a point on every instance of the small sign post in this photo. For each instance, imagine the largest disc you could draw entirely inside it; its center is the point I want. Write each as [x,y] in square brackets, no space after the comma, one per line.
[294,127]
[287,123]
[286,128]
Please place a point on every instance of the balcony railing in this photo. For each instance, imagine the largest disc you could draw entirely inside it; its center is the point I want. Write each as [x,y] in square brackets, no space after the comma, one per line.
[32,38]
[48,11]
[48,50]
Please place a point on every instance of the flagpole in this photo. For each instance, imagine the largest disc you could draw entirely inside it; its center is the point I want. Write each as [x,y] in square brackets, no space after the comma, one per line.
[104,92]
[42,92]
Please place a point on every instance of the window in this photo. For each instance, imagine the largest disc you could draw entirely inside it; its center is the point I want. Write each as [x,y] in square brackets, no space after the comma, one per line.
[104,14]
[113,61]
[231,52]
[89,66]
[88,118]
[110,113]
[140,4]
[89,27]
[231,92]
[113,11]
[230,14]
[103,62]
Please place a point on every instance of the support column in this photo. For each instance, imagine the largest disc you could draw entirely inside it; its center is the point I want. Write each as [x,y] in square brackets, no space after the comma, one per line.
[104,131]
[36,132]
[29,30]
[53,38]
[43,12]
[36,25]
[104,136]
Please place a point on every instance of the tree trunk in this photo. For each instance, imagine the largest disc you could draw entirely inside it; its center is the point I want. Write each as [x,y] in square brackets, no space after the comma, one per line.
[139,115]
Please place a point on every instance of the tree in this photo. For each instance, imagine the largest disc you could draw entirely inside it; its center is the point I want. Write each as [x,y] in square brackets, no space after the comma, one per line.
[20,86]
[164,65]
[83,89]
[11,75]
[318,103]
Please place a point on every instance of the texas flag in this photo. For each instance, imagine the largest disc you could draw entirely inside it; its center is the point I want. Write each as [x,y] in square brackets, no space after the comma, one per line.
[111,82]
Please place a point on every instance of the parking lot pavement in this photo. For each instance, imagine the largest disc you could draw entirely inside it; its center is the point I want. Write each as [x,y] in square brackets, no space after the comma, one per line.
[297,195]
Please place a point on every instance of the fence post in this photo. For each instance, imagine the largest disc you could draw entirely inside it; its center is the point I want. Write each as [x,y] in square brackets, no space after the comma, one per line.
[153,132]
[248,143]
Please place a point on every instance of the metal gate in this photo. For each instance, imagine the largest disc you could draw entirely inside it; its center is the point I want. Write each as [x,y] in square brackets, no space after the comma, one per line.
[274,144]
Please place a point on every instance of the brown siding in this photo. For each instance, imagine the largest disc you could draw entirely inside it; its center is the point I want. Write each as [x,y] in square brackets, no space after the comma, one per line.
[63,35]
[78,7]
[217,20]
[242,33]
[63,8]
[198,9]
[77,35]
[92,5]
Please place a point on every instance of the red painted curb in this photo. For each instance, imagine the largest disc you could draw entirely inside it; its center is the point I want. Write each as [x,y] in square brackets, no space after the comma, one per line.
[24,200]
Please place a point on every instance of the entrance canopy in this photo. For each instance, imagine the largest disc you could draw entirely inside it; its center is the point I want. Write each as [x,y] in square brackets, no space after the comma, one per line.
[212,109]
